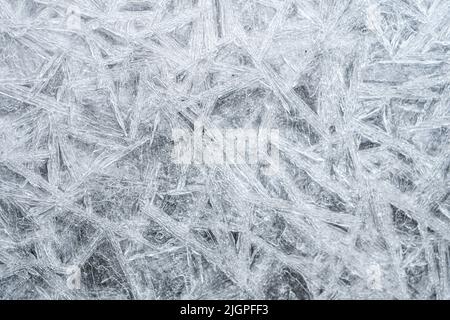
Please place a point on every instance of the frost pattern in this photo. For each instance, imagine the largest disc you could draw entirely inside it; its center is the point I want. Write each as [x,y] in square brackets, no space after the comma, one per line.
[91,90]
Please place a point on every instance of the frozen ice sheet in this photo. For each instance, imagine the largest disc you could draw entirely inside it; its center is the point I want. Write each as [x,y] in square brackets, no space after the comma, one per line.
[93,205]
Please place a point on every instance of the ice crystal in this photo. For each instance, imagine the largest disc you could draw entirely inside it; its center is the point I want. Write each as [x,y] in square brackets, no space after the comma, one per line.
[93,205]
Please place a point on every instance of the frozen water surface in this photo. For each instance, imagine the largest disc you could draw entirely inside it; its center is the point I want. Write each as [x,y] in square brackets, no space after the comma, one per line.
[92,205]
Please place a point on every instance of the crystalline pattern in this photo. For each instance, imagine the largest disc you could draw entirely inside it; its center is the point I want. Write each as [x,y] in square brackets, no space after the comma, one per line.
[90,91]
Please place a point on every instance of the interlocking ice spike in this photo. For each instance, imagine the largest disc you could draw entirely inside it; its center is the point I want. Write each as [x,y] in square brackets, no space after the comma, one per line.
[374,275]
[73,281]
[73,20]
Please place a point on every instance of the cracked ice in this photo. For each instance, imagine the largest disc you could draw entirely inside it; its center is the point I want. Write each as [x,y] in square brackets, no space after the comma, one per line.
[93,205]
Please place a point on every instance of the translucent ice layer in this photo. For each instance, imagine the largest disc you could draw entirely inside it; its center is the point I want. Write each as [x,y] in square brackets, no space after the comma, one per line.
[93,204]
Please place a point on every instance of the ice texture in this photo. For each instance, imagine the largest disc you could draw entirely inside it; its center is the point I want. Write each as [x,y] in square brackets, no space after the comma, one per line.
[92,205]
